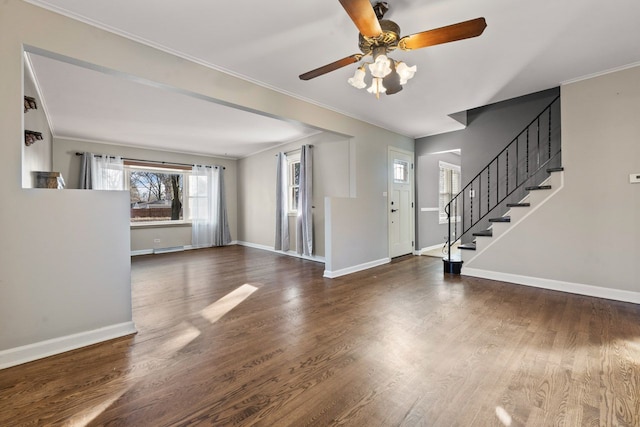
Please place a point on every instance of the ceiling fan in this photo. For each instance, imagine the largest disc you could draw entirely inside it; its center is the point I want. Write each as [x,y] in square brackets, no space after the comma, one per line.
[379,36]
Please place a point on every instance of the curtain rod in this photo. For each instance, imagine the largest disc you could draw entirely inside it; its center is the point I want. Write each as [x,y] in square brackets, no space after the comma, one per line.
[151,161]
[292,151]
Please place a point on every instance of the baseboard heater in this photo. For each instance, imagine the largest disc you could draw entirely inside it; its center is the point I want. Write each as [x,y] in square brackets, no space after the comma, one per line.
[167,250]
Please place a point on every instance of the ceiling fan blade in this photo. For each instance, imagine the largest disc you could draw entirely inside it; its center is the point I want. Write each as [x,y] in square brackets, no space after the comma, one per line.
[362,14]
[331,67]
[450,33]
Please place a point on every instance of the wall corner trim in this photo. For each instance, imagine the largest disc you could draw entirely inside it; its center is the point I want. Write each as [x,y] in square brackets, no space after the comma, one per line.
[354,269]
[555,285]
[30,352]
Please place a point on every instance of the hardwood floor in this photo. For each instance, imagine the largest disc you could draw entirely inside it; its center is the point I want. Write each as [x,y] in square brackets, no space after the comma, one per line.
[397,345]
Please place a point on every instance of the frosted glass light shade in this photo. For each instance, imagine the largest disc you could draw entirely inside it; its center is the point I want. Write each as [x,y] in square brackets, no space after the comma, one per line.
[381,67]
[357,80]
[405,72]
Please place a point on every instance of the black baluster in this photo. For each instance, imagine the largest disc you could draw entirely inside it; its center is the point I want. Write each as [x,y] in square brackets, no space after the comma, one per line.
[550,131]
[527,169]
[538,135]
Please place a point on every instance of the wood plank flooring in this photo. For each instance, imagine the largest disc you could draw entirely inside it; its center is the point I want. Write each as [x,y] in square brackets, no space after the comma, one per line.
[397,345]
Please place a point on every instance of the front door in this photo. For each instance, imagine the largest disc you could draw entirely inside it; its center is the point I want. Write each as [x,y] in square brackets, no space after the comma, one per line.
[400,202]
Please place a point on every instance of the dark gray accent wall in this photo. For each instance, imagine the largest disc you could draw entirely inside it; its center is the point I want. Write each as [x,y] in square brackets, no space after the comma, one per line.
[431,232]
[489,129]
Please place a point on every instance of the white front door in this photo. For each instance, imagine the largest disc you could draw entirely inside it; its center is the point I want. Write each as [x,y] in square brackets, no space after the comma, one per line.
[400,202]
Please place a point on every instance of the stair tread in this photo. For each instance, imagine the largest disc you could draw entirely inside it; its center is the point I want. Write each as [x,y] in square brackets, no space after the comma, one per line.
[468,246]
[485,233]
[538,187]
[518,205]
[558,169]
[501,219]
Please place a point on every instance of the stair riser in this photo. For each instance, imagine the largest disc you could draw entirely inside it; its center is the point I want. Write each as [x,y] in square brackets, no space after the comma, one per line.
[499,228]
[538,196]
[482,242]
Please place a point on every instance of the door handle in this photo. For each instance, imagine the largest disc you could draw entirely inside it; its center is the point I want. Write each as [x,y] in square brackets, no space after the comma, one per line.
[394,210]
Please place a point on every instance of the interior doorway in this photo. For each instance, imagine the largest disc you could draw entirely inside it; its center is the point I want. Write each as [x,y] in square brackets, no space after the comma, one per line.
[400,202]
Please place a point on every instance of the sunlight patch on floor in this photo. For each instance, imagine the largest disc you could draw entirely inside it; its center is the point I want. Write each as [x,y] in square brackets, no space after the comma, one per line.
[182,335]
[503,416]
[87,417]
[214,311]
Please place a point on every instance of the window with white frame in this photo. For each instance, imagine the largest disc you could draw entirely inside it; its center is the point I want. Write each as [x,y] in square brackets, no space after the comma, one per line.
[400,171]
[156,193]
[449,187]
[293,181]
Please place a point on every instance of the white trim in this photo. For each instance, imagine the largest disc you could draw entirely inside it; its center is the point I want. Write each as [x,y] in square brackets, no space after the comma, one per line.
[600,73]
[185,248]
[288,253]
[430,248]
[429,209]
[168,249]
[142,252]
[256,246]
[555,285]
[30,352]
[354,269]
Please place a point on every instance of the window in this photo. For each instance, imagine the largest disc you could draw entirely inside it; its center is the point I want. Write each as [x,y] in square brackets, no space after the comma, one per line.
[449,187]
[400,171]
[156,193]
[293,181]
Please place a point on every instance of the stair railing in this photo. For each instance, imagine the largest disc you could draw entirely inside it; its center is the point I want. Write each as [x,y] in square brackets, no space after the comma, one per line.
[522,159]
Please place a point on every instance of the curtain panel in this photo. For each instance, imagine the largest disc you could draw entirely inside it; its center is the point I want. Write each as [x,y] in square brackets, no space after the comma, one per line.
[101,172]
[304,221]
[282,214]
[207,203]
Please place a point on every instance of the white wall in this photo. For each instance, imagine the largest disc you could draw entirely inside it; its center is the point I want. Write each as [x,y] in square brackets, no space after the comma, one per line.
[257,178]
[55,33]
[586,239]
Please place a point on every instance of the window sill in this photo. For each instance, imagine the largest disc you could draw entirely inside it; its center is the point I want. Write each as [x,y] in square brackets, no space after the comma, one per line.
[160,224]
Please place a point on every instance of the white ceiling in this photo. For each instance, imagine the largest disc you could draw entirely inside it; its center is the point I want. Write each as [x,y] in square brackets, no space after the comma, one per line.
[526,47]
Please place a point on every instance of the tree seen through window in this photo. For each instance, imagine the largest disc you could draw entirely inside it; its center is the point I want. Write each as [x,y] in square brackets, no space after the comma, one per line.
[155,196]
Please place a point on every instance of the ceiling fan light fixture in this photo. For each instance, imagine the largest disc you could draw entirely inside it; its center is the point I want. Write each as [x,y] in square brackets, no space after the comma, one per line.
[357,80]
[406,73]
[377,87]
[381,66]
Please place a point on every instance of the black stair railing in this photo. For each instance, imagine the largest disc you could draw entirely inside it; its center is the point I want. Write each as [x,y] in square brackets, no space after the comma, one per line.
[524,159]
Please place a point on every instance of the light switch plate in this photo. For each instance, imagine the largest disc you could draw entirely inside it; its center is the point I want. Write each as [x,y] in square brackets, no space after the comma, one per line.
[634,178]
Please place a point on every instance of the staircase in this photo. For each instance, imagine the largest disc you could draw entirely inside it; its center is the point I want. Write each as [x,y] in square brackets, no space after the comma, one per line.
[508,189]
[516,213]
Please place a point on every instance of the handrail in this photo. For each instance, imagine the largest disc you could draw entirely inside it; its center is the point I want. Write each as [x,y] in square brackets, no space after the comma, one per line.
[477,180]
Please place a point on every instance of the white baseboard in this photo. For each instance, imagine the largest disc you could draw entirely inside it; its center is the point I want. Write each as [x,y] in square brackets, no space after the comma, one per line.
[174,249]
[555,285]
[142,252]
[288,253]
[430,248]
[39,350]
[256,246]
[344,271]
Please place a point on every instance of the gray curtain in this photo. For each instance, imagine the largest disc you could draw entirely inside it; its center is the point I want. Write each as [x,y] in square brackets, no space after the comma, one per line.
[282,217]
[85,171]
[304,221]
[221,233]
